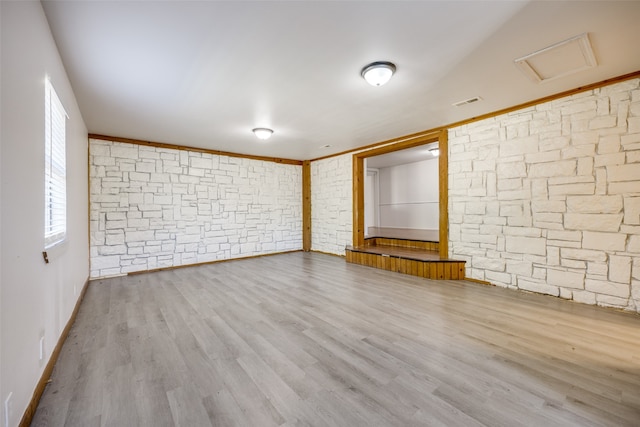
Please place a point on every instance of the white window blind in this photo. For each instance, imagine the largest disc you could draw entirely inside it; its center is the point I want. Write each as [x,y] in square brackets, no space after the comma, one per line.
[55,181]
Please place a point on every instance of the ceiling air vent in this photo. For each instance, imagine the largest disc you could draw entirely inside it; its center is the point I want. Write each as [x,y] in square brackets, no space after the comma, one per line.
[467,101]
[558,60]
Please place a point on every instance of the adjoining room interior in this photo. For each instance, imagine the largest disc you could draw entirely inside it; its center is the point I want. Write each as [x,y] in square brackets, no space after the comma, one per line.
[400,190]
[191,233]
[401,194]
[411,234]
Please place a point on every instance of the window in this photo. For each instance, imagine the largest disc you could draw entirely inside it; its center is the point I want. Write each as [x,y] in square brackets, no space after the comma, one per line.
[55,170]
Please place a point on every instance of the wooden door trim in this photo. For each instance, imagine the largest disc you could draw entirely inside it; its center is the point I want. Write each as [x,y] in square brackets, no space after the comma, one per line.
[440,137]
[306,206]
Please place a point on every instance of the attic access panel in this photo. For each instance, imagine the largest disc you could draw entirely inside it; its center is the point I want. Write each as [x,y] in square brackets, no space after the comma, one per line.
[558,60]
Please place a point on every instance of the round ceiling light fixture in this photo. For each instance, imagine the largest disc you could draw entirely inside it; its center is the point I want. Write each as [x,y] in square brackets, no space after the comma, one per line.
[378,73]
[263,133]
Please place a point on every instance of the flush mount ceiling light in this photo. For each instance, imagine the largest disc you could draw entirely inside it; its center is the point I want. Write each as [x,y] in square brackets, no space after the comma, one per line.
[263,133]
[378,73]
[435,152]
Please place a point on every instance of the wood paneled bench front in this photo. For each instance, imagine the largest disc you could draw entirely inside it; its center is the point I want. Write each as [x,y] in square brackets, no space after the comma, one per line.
[408,257]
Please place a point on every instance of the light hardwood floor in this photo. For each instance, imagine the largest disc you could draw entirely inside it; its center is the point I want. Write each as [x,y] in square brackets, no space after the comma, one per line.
[307,339]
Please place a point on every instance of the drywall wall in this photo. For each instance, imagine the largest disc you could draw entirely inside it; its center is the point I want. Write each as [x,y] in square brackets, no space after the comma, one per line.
[37,298]
[408,195]
[157,207]
[547,198]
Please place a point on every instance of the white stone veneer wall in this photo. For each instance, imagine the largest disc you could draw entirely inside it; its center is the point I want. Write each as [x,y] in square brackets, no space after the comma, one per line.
[547,198]
[332,204]
[156,207]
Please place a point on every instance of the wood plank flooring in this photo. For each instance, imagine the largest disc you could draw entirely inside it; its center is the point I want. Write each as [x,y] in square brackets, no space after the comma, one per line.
[400,252]
[307,339]
[403,233]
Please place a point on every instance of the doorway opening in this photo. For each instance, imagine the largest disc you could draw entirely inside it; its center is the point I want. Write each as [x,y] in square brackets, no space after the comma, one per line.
[400,191]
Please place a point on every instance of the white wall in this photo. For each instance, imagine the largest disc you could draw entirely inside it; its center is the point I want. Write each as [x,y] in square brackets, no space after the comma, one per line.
[547,198]
[543,199]
[371,199]
[332,204]
[156,207]
[37,299]
[408,195]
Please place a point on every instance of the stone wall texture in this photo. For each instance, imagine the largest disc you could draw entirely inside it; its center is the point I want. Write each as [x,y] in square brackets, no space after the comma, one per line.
[332,204]
[157,207]
[547,198]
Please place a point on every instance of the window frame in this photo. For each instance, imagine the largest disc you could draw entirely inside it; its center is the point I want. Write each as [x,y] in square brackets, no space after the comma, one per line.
[55,169]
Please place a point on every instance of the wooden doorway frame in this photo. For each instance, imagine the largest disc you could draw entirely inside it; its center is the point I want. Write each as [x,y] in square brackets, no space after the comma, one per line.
[441,137]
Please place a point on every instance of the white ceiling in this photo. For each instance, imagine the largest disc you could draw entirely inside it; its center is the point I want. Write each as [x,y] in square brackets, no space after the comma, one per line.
[204,73]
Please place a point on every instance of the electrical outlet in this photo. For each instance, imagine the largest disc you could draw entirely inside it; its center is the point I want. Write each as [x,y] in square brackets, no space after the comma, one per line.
[42,347]
[8,410]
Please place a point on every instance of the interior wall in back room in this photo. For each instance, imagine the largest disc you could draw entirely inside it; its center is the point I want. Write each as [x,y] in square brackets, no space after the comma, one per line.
[547,198]
[156,207]
[409,195]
